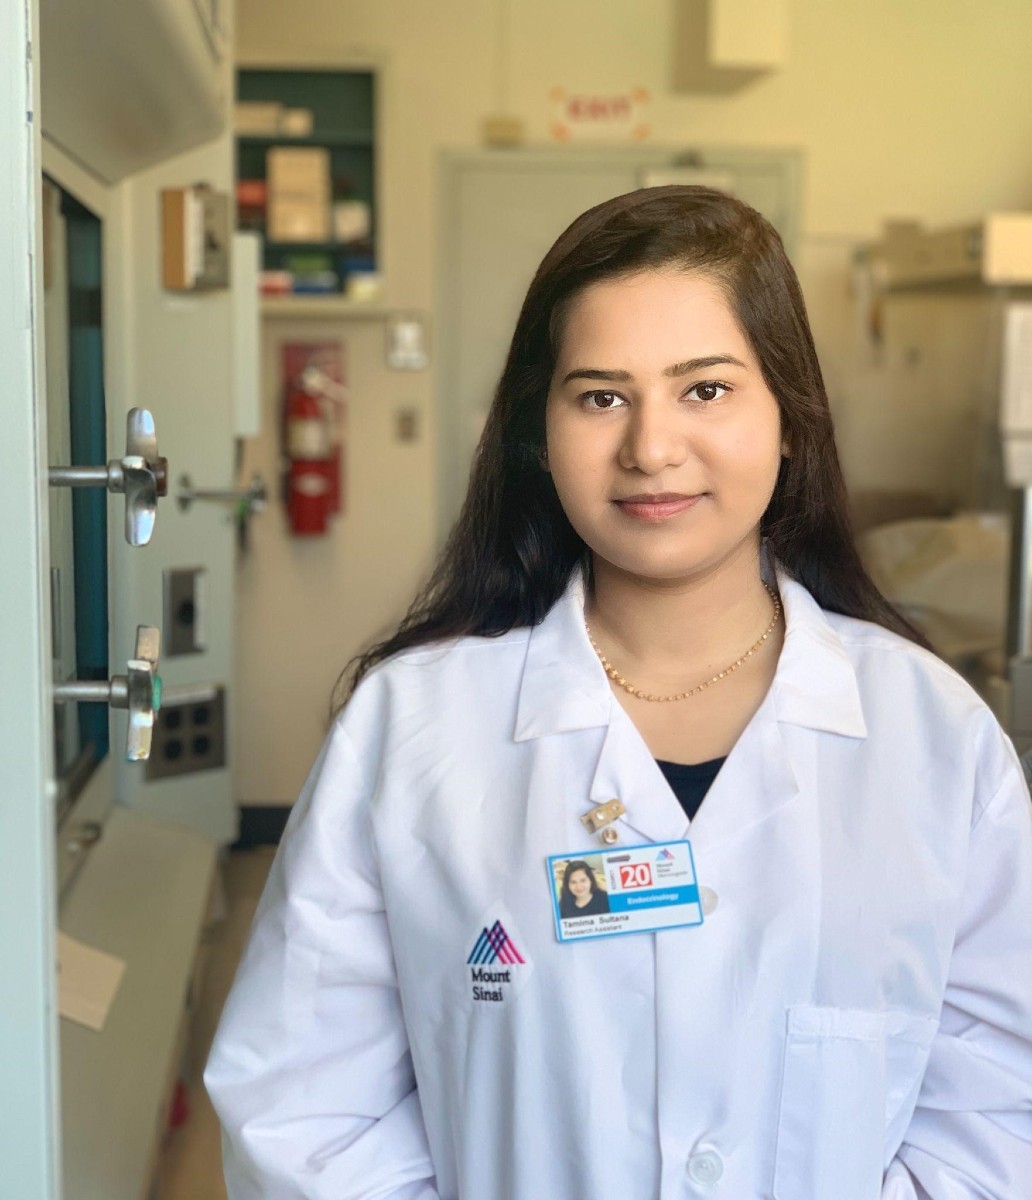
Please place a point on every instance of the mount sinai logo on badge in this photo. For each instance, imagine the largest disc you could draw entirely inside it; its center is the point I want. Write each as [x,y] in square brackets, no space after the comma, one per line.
[496,965]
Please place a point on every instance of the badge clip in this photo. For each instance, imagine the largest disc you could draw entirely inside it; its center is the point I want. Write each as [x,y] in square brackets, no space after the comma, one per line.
[600,818]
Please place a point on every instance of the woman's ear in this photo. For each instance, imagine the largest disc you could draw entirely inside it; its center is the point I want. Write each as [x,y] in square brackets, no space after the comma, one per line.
[786,448]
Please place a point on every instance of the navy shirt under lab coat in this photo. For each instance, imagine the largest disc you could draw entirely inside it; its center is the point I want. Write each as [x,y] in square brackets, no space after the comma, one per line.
[853,1020]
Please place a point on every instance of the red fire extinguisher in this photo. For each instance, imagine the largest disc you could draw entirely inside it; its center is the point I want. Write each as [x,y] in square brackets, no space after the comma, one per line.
[309,483]
[333,398]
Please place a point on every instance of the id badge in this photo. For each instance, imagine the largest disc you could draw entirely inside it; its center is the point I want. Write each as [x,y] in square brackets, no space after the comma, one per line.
[633,889]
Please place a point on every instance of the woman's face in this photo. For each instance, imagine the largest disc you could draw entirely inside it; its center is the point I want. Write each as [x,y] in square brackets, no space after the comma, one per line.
[579,885]
[664,441]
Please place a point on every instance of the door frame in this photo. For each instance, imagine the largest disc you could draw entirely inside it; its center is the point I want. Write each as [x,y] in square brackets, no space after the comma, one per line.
[96,799]
[29,1034]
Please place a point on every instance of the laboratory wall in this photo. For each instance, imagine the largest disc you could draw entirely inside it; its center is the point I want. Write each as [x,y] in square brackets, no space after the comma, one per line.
[920,110]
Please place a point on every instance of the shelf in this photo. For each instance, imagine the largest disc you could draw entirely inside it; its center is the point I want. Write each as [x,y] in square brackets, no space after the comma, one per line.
[309,247]
[331,307]
[342,104]
[357,141]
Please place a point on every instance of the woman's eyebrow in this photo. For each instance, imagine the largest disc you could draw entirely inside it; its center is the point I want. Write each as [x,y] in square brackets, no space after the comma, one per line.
[681,368]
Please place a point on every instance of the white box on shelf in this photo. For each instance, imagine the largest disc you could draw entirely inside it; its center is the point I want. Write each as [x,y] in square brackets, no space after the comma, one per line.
[297,122]
[351,220]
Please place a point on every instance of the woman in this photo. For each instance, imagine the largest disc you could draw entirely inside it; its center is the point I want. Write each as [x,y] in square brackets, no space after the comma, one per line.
[652,586]
[580,895]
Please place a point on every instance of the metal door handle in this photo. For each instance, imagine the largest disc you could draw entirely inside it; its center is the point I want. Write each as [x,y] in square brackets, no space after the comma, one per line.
[139,690]
[142,474]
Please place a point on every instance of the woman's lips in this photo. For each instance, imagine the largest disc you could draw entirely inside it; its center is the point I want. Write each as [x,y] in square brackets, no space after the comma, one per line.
[658,507]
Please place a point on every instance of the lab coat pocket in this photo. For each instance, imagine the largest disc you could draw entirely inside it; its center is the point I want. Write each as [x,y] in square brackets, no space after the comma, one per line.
[848,1075]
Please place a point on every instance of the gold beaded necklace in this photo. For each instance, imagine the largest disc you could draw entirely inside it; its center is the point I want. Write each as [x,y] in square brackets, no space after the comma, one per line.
[615,675]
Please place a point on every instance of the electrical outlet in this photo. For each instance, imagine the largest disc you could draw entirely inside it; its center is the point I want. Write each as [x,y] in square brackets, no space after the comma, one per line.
[185,605]
[189,732]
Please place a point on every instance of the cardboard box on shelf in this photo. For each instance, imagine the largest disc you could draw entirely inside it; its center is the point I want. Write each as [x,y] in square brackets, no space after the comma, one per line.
[259,118]
[298,194]
[297,221]
[293,167]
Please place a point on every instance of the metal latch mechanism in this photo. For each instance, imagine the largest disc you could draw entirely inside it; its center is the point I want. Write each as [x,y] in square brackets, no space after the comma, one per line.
[142,474]
[139,690]
[249,500]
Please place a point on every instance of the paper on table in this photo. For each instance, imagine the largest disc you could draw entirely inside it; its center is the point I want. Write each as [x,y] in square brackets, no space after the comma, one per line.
[87,981]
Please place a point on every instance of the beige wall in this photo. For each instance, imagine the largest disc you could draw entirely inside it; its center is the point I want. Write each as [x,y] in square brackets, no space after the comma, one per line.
[914,109]
[920,108]
[305,604]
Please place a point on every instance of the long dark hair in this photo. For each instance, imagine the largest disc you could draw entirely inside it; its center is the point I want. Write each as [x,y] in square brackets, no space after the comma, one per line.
[512,550]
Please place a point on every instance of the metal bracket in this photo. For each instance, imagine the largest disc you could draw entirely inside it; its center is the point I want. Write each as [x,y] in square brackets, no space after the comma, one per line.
[251,499]
[605,814]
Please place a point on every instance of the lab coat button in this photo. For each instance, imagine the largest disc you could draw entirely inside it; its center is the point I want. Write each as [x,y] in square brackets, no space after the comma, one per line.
[705,1167]
[708,898]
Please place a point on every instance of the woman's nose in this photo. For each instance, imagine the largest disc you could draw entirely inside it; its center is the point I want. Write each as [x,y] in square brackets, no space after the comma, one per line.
[655,439]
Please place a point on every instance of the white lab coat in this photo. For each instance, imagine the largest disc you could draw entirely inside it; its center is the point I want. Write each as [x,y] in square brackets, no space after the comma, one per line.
[853,1020]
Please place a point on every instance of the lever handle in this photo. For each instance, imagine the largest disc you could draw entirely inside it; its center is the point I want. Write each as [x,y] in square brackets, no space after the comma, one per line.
[139,690]
[141,474]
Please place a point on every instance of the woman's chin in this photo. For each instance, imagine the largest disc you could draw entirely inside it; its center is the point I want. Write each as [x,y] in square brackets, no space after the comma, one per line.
[670,565]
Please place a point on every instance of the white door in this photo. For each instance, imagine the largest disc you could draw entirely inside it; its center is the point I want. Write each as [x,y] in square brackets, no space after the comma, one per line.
[500,212]
[29,1136]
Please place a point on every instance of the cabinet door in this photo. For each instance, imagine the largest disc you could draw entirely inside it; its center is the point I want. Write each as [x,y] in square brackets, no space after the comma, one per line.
[500,214]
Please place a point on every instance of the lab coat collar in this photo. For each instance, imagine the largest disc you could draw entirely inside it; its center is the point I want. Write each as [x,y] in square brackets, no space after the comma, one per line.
[815,684]
[565,688]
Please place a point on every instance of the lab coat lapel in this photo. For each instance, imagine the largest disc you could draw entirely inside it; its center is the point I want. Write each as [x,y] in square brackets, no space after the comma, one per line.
[627,772]
[814,687]
[565,689]
[753,784]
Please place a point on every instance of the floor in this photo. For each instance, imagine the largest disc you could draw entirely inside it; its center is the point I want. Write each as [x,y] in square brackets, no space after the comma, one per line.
[191,1161]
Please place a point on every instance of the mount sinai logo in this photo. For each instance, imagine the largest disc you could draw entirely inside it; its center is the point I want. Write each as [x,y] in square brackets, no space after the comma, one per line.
[494,964]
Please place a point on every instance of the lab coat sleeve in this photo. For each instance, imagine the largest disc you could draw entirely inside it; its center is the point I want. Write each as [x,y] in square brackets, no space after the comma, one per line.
[970,1137]
[310,1071]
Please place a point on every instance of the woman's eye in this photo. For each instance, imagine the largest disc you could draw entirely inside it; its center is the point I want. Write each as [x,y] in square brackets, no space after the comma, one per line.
[708,391]
[602,400]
